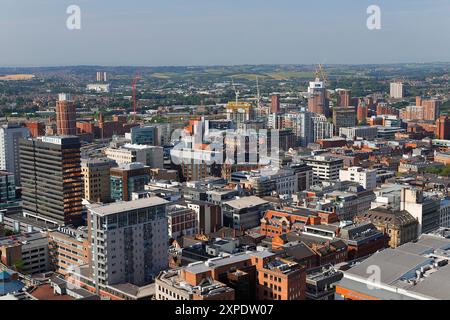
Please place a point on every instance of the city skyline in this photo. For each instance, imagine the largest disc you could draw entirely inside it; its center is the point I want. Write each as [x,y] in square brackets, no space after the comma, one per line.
[205,34]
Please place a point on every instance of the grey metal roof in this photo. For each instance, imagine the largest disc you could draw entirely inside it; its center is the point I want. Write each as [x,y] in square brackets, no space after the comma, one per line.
[436,286]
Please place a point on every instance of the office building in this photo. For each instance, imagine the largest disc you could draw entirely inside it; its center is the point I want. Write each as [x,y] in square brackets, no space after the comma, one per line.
[151,156]
[344,118]
[365,177]
[325,168]
[50,169]
[244,213]
[208,216]
[10,135]
[128,178]
[426,210]
[129,241]
[8,196]
[96,179]
[148,135]
[66,116]
[353,133]
[28,253]
[444,213]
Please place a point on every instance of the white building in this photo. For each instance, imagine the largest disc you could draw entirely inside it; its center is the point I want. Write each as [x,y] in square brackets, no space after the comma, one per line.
[325,168]
[365,177]
[425,209]
[322,129]
[151,156]
[397,90]
[129,241]
[9,148]
[99,87]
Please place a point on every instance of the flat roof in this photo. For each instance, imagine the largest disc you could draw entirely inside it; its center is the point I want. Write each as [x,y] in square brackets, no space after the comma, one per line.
[218,262]
[246,202]
[436,285]
[118,207]
[394,264]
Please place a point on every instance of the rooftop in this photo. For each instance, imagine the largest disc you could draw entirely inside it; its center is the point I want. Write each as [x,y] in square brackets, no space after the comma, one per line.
[246,202]
[416,270]
[118,207]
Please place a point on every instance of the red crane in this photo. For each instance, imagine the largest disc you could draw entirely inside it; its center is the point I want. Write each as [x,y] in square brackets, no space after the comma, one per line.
[135,80]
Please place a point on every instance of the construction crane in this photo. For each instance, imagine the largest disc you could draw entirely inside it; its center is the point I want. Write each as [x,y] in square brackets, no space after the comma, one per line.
[258,93]
[321,74]
[135,80]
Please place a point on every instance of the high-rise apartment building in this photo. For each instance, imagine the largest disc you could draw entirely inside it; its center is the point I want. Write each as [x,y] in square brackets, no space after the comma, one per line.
[275,106]
[101,76]
[317,101]
[10,134]
[66,116]
[362,113]
[322,129]
[397,90]
[96,179]
[239,111]
[384,109]
[301,124]
[343,97]
[431,109]
[129,241]
[51,178]
[443,128]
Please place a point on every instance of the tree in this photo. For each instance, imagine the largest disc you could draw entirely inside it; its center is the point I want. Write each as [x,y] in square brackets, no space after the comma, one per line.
[18,265]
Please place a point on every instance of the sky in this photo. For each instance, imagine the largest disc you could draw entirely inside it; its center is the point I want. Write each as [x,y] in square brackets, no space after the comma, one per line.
[222,32]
